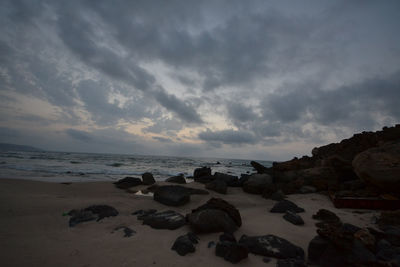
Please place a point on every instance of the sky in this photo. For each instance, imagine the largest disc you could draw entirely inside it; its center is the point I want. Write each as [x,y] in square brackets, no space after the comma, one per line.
[263,80]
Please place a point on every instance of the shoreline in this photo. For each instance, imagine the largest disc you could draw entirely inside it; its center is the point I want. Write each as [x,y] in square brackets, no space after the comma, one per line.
[34,232]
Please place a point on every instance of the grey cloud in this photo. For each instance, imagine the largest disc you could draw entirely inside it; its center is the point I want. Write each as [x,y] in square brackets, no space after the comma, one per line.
[183,109]
[80,135]
[228,137]
[346,105]
[162,139]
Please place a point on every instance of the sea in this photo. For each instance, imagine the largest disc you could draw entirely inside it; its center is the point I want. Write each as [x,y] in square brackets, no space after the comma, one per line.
[92,167]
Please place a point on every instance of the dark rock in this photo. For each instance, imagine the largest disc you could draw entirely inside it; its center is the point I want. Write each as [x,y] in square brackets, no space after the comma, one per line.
[184,244]
[211,244]
[269,191]
[227,237]
[392,234]
[389,218]
[291,263]
[194,191]
[278,196]
[257,183]
[259,167]
[164,220]
[218,186]
[94,212]
[176,179]
[230,180]
[220,204]
[388,254]
[293,218]
[380,166]
[325,252]
[143,213]
[128,232]
[200,172]
[79,216]
[285,205]
[272,246]
[316,248]
[172,195]
[307,189]
[210,221]
[204,179]
[231,251]
[266,260]
[102,211]
[383,244]
[128,182]
[350,228]
[326,216]
[353,185]
[148,178]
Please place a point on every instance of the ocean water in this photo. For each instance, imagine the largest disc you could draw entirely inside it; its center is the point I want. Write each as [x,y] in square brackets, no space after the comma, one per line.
[85,167]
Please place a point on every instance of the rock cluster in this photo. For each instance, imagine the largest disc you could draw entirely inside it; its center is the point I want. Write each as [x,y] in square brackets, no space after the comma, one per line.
[91,213]
[370,157]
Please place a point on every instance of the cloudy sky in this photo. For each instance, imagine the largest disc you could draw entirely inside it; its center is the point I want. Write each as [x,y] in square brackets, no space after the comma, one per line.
[236,79]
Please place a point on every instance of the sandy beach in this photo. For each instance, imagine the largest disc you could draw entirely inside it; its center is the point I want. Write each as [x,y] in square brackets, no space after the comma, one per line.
[34,232]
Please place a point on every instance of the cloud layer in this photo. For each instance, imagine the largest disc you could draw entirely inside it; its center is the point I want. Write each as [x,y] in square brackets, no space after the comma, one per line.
[197,77]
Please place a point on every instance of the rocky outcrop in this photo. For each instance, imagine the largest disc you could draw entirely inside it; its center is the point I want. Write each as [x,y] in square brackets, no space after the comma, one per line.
[332,165]
[216,215]
[164,220]
[271,246]
[128,182]
[380,167]
[257,183]
[259,167]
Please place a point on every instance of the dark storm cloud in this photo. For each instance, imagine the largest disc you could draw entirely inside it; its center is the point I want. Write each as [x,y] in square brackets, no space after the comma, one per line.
[182,109]
[231,137]
[346,105]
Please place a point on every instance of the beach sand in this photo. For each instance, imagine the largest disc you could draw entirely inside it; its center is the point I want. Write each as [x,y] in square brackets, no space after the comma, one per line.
[33,231]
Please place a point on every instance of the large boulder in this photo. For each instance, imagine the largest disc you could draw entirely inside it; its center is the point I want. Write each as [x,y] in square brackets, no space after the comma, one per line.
[172,195]
[271,246]
[203,171]
[218,186]
[216,215]
[230,180]
[380,167]
[148,178]
[211,221]
[128,182]
[257,183]
[164,220]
